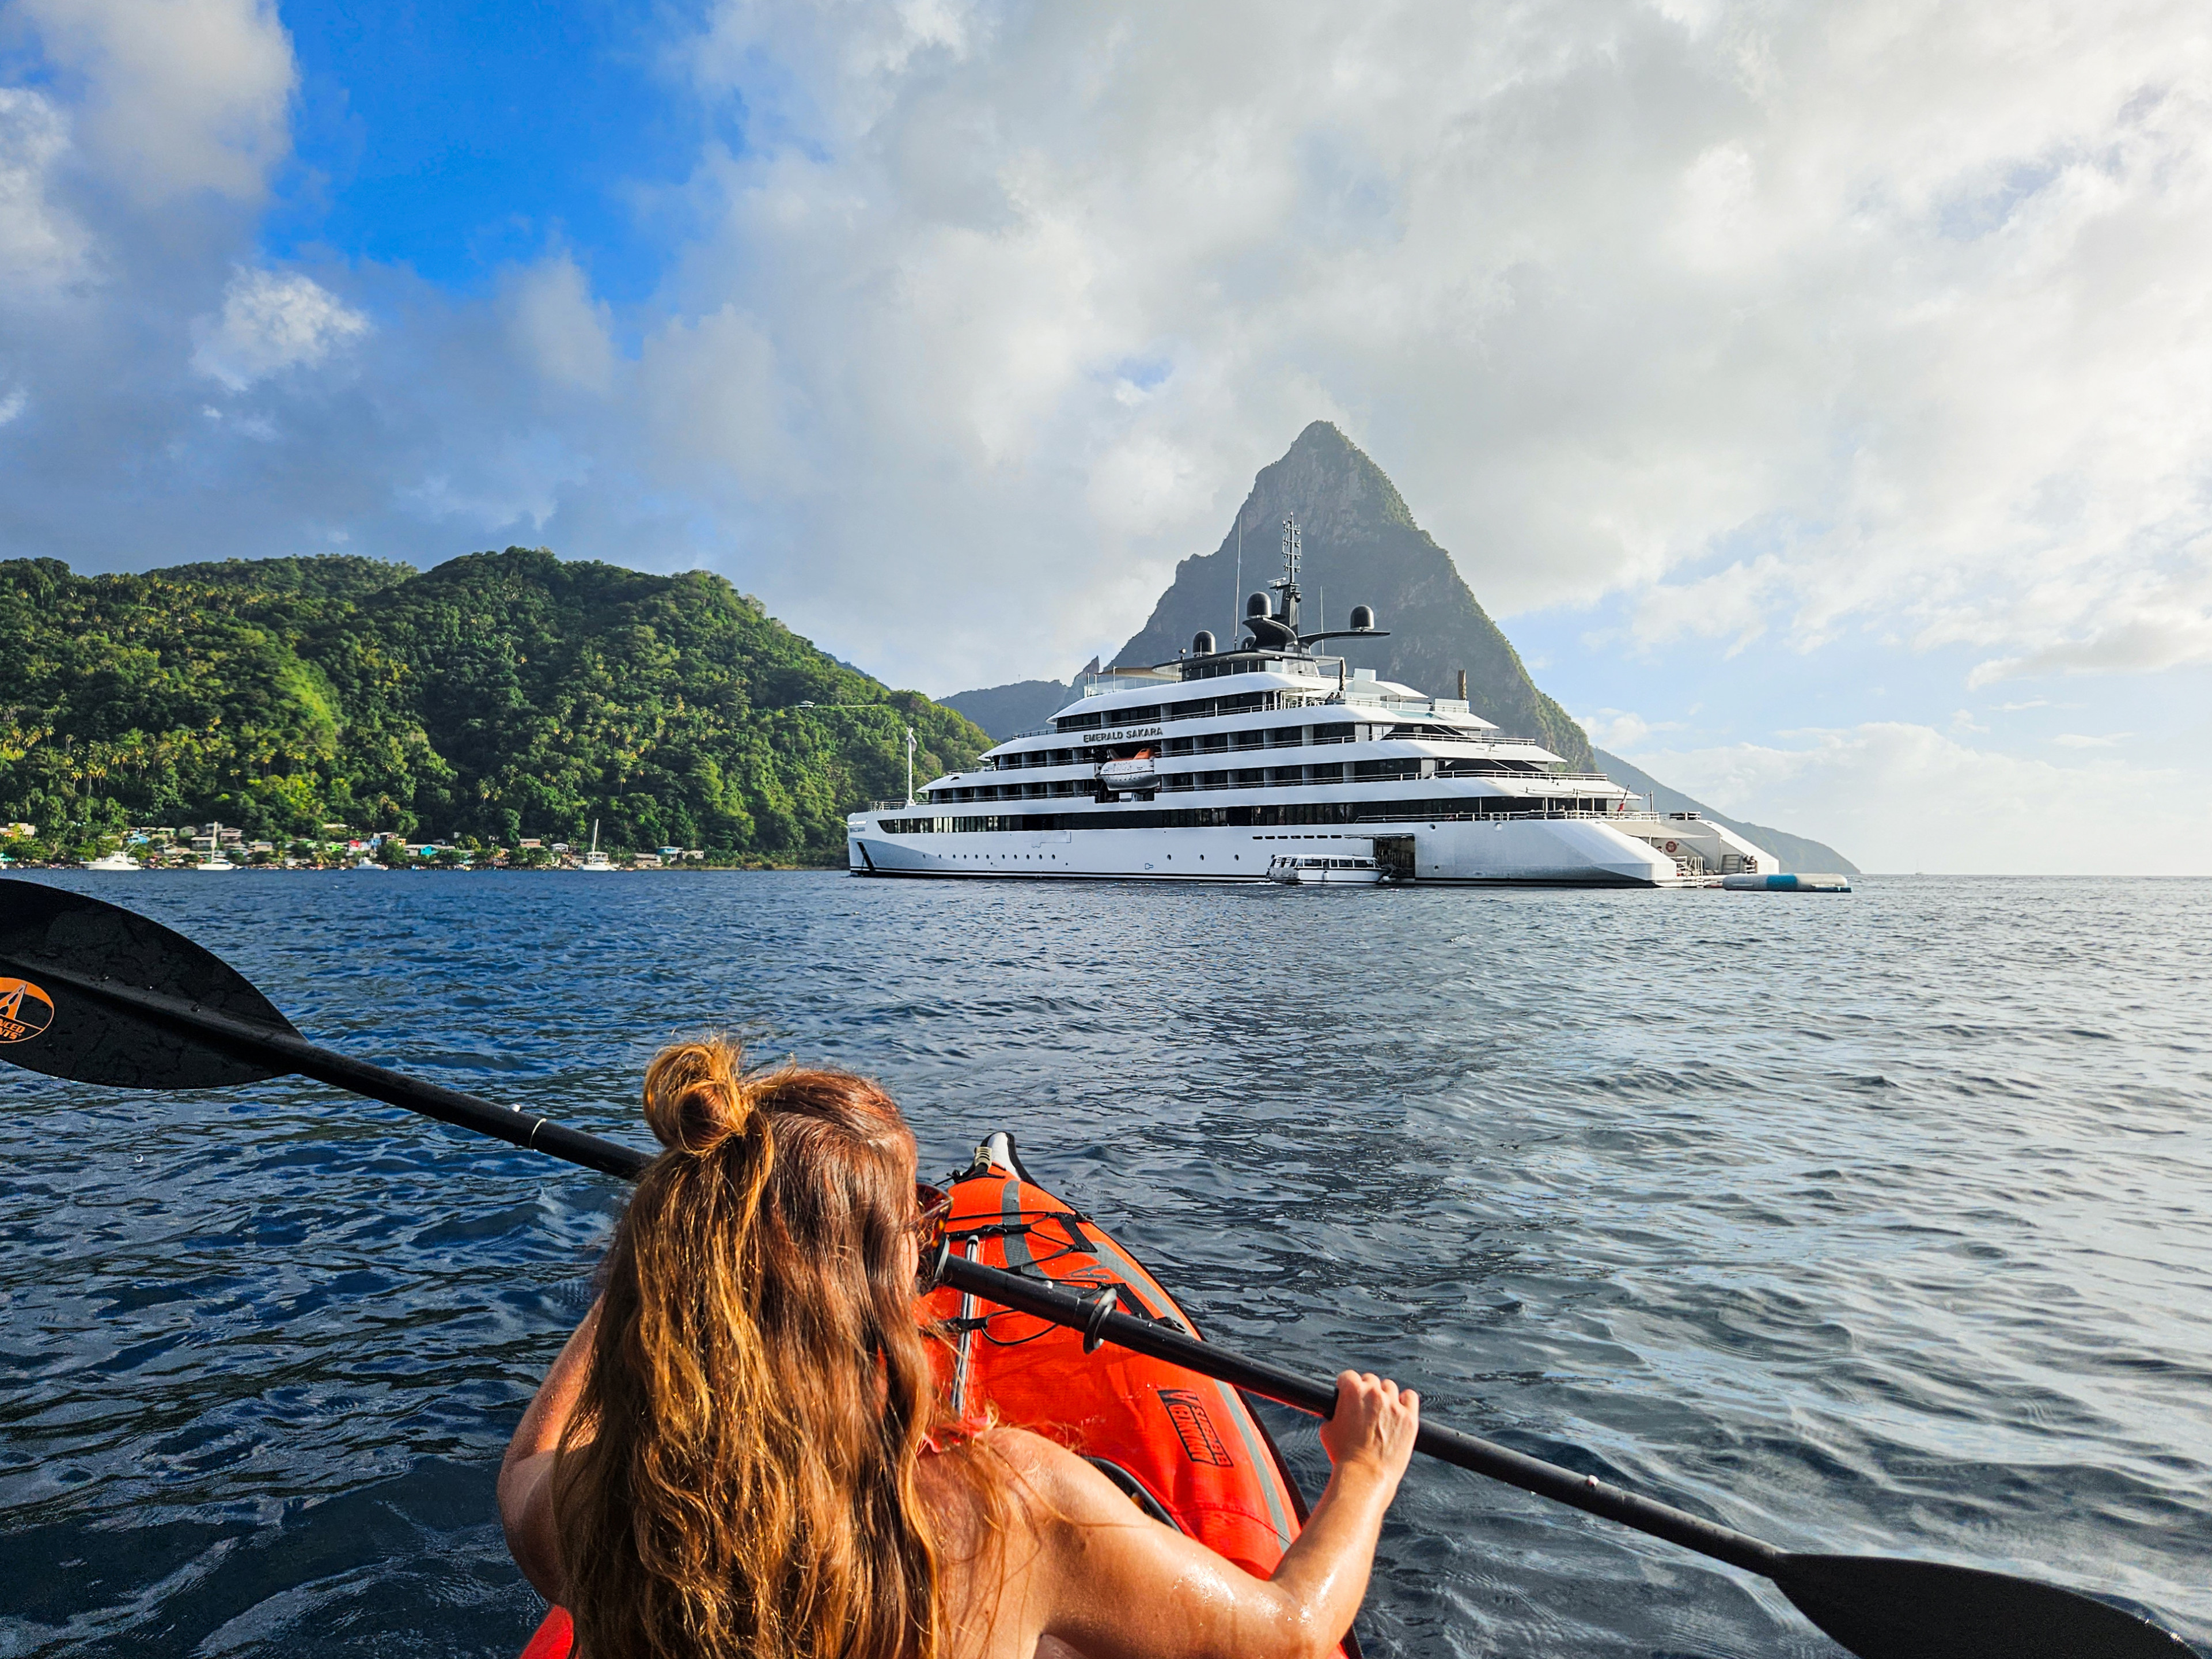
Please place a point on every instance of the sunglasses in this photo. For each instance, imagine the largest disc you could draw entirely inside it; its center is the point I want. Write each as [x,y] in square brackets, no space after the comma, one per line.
[933,1205]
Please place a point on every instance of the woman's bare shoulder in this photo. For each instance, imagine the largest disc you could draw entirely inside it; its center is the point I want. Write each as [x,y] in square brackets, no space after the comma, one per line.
[1015,1462]
[1039,1482]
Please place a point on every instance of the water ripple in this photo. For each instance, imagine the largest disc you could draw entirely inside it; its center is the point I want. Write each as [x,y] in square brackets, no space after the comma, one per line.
[1868,1224]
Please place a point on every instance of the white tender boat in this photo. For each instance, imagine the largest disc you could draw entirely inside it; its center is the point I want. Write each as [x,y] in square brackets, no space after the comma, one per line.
[117,861]
[1214,766]
[1314,869]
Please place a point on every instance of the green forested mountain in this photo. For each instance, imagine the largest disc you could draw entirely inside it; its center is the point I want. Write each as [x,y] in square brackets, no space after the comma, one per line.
[498,696]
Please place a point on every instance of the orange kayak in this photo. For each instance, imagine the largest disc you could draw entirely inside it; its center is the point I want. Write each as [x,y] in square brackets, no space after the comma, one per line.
[1187,1449]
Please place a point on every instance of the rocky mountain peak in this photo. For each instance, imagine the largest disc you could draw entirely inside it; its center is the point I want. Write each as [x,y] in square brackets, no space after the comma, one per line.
[1338,492]
[1361,547]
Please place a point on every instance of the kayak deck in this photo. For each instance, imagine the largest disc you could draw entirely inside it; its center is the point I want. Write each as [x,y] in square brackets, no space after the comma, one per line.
[1188,1450]
[1186,1443]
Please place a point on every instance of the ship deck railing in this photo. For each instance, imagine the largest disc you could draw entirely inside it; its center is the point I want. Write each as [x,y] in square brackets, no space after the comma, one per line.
[1378,812]
[1185,783]
[1273,702]
[1188,783]
[1488,740]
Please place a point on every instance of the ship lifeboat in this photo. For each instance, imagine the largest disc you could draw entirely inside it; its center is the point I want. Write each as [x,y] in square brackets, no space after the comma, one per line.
[1309,870]
[1131,774]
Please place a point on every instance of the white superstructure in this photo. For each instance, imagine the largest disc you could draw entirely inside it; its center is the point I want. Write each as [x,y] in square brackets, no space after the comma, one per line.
[1214,767]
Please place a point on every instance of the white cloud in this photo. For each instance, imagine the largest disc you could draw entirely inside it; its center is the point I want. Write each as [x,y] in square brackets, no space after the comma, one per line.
[1736,601]
[1893,796]
[271,321]
[42,245]
[179,95]
[1618,730]
[2139,633]
[1901,312]
[2082,740]
[559,327]
[1782,322]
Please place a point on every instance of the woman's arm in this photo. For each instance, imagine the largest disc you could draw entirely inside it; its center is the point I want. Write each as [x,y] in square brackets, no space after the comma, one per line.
[1121,1586]
[525,1474]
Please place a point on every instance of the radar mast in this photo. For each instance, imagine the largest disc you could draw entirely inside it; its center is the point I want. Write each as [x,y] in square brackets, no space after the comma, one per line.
[1287,583]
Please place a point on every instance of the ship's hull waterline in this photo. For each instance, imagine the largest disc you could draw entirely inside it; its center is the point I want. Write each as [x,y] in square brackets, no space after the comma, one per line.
[1517,852]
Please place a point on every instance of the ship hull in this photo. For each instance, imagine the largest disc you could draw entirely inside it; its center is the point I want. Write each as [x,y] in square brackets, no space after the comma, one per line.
[1496,852]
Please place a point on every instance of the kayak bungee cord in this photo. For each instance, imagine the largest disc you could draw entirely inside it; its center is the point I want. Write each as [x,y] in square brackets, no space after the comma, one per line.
[92,993]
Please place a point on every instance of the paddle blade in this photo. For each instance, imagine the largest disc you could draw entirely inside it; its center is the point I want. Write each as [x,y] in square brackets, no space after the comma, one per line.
[46,1025]
[1880,1607]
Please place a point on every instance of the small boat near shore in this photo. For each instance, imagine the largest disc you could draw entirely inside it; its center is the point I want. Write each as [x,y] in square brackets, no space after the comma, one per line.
[215,861]
[115,862]
[1805,882]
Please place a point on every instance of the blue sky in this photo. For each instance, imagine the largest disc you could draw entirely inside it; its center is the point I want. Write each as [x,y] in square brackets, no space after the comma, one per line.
[458,139]
[1816,394]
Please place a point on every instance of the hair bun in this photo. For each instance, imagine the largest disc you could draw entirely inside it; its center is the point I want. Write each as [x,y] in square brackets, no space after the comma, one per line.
[697,1096]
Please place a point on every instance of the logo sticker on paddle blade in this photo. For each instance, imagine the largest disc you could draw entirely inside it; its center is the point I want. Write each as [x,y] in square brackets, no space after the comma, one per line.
[1201,1442]
[25,1010]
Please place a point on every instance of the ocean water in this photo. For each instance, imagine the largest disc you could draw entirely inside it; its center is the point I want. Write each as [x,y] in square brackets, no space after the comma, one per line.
[1877,1222]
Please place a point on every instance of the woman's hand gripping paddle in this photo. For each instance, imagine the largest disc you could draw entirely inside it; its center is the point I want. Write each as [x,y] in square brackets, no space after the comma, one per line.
[1878,1607]
[97,994]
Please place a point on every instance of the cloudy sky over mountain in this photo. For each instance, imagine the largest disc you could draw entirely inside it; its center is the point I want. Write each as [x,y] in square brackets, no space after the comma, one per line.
[1822,394]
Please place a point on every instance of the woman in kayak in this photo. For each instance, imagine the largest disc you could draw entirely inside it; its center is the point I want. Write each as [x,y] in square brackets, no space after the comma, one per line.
[740,1451]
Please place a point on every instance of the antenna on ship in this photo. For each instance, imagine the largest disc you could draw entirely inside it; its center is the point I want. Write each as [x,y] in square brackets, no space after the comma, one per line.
[910,766]
[1236,596]
[1287,583]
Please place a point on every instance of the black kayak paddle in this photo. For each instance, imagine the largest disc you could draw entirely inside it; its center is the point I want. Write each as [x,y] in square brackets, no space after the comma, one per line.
[97,994]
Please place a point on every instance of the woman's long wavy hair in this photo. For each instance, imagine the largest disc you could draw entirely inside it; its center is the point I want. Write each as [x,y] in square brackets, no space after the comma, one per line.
[739,1477]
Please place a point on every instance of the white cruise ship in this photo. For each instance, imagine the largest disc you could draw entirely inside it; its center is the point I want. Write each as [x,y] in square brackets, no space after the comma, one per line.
[1213,767]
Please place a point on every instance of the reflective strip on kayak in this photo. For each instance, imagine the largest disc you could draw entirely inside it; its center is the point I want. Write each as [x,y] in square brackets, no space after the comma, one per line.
[1241,1415]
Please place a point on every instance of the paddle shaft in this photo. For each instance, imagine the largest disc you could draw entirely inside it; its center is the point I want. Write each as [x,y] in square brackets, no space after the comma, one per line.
[1467,1451]
[289,1053]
